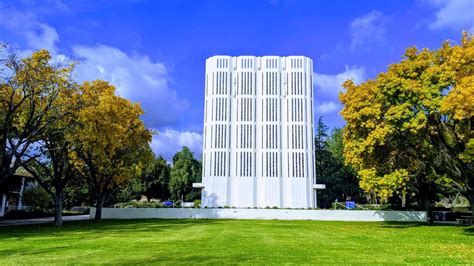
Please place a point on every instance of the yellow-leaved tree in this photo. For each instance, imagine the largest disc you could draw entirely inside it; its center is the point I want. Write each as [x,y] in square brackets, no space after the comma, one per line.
[30,89]
[48,159]
[110,144]
[410,130]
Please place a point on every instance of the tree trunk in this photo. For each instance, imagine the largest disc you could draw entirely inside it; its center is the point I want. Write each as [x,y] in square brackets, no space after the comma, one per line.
[472,206]
[58,210]
[404,201]
[427,197]
[429,211]
[470,198]
[3,160]
[99,205]
[5,164]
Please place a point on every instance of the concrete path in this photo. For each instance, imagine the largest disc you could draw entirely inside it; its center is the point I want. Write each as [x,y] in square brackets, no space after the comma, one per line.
[45,220]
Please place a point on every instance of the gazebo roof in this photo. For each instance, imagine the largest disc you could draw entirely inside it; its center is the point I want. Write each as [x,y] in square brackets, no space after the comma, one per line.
[20,171]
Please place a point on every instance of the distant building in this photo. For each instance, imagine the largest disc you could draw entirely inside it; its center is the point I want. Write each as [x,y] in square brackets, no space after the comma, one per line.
[258,147]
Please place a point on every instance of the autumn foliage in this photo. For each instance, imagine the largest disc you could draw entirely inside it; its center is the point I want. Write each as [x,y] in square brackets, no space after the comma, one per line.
[57,129]
[409,131]
[110,143]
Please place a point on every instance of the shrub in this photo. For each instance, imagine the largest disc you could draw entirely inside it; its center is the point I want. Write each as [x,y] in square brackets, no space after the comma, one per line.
[140,204]
[192,196]
[37,199]
[197,204]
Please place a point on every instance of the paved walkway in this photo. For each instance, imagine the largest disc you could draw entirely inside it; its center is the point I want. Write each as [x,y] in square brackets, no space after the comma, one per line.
[45,220]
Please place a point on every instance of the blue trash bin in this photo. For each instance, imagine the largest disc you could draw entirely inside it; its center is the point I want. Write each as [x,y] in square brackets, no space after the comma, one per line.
[350,204]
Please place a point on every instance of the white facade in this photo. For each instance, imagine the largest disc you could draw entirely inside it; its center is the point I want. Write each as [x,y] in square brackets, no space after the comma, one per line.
[258,148]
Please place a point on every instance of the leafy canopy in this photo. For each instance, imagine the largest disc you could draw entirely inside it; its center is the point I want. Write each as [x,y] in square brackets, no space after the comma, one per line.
[110,144]
[185,170]
[32,97]
[413,123]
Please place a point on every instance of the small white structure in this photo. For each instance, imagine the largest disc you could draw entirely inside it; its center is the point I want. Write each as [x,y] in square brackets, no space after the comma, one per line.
[258,147]
[13,198]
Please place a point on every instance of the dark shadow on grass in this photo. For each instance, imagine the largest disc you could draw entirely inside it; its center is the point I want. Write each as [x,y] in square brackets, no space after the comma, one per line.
[80,229]
[401,225]
[25,252]
[211,258]
[469,230]
[145,225]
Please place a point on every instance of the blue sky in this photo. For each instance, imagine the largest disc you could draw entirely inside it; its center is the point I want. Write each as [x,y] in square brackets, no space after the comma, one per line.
[154,51]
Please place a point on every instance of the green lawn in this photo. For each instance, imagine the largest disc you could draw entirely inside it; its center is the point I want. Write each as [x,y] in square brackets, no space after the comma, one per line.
[235,241]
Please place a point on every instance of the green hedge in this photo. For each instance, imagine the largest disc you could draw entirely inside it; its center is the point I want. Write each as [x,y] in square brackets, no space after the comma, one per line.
[140,204]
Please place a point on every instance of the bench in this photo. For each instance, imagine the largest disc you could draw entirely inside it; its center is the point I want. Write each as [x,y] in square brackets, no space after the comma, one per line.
[466,220]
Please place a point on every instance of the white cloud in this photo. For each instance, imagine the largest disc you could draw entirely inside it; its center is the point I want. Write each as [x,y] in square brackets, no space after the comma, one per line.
[327,108]
[168,141]
[136,77]
[38,35]
[368,30]
[327,88]
[42,36]
[453,14]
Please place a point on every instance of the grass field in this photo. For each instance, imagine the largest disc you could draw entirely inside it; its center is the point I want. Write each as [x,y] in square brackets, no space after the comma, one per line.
[235,241]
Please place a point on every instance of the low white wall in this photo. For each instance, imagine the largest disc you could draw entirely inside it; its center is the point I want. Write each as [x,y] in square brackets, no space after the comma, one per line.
[262,214]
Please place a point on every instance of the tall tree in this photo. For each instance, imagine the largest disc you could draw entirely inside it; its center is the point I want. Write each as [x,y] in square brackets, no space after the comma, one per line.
[456,130]
[185,170]
[404,133]
[156,179]
[344,178]
[51,164]
[110,144]
[335,144]
[340,180]
[322,154]
[29,89]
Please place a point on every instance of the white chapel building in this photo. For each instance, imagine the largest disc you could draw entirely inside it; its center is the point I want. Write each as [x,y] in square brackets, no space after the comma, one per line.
[258,147]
